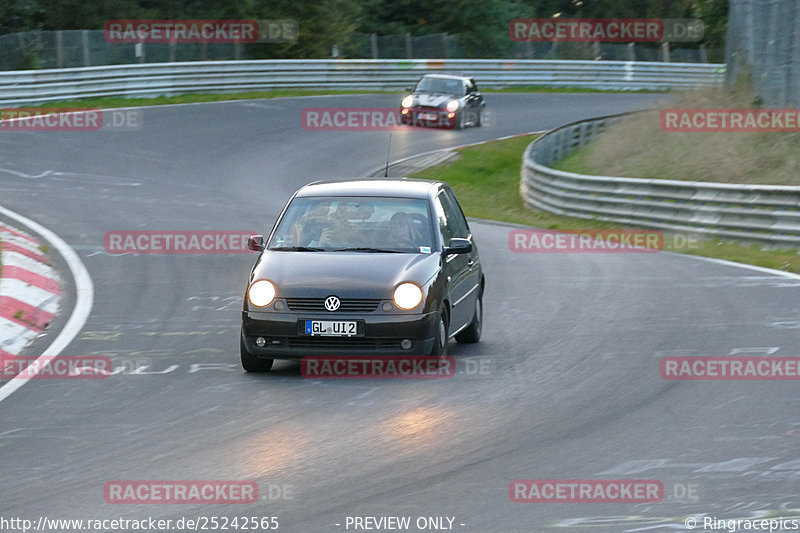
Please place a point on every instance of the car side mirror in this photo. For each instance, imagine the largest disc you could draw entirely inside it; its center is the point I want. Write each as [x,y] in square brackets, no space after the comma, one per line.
[255,243]
[458,246]
[410,89]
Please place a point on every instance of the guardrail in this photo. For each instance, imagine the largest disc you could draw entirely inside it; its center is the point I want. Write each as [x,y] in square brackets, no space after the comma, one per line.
[155,79]
[766,213]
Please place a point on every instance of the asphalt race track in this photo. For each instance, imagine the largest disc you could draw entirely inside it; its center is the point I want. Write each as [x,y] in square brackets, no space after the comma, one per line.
[564,385]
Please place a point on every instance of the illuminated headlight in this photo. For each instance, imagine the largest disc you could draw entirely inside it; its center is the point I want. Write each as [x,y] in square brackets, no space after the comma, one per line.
[407,296]
[261,293]
[452,105]
[408,101]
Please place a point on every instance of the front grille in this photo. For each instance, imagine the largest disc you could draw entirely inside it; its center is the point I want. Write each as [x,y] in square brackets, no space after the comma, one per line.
[343,342]
[348,305]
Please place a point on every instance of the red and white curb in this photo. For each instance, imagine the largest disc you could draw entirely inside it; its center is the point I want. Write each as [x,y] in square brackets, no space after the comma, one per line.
[30,291]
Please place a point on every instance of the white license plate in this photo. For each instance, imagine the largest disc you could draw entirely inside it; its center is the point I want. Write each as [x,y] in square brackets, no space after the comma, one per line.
[429,116]
[331,328]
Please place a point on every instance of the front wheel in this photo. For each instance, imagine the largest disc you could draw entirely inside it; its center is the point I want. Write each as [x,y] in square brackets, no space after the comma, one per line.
[459,124]
[250,362]
[479,121]
[473,332]
[442,335]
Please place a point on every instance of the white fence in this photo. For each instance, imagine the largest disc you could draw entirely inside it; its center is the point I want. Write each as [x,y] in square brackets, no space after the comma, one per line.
[149,80]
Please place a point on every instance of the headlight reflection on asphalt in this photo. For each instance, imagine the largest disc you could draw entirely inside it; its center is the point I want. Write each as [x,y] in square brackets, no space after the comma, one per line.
[420,429]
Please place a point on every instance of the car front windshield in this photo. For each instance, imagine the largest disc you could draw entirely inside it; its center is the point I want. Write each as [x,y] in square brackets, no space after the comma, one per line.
[359,224]
[430,84]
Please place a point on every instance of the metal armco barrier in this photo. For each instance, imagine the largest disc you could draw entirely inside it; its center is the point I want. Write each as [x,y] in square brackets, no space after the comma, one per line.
[766,213]
[155,79]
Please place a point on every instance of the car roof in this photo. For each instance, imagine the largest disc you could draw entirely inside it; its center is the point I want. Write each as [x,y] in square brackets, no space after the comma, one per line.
[448,76]
[392,187]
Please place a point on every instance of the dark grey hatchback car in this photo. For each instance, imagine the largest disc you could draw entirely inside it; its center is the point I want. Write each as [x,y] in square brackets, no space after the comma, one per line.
[378,267]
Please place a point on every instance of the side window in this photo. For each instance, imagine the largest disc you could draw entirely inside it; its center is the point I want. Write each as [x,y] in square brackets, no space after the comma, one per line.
[457,219]
[456,224]
[444,224]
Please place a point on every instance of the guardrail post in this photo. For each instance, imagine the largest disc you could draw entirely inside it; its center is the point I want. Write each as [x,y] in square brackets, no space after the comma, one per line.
[59,48]
[631,51]
[665,52]
[584,138]
[85,45]
[373,44]
[529,53]
[409,49]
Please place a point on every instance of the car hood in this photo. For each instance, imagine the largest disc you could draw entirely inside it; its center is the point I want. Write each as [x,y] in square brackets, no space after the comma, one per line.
[433,99]
[345,274]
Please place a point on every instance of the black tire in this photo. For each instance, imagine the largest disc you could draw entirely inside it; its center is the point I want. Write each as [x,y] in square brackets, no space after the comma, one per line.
[443,335]
[250,362]
[459,125]
[473,332]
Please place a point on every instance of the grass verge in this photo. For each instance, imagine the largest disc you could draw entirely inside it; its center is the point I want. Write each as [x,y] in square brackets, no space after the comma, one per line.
[486,180]
[763,157]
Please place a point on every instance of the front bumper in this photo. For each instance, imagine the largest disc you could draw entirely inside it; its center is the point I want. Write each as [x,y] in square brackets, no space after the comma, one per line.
[414,117]
[382,335]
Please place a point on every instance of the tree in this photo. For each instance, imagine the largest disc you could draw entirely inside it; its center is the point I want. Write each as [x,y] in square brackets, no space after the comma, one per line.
[20,15]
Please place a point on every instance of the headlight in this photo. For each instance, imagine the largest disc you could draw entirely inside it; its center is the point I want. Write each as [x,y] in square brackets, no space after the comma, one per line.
[407,296]
[452,105]
[408,101]
[261,293]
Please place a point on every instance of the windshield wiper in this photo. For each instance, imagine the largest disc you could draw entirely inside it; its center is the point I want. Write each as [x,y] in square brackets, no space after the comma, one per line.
[367,249]
[297,249]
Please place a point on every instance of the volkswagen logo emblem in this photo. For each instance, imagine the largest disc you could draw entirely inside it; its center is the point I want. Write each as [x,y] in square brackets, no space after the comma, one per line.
[332,303]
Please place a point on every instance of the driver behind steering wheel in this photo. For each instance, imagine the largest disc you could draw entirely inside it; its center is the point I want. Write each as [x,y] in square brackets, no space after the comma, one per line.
[401,233]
